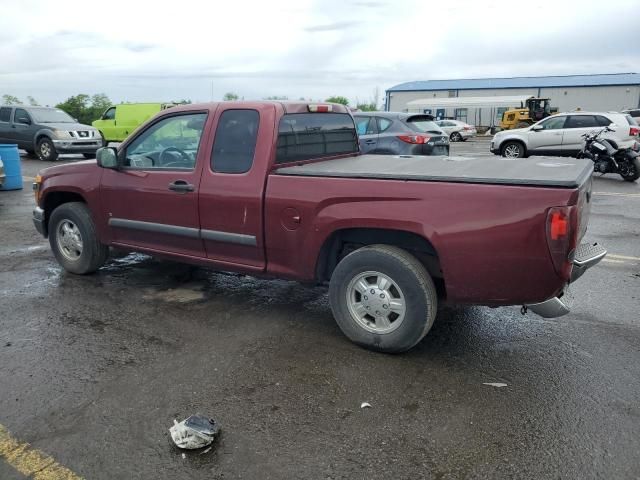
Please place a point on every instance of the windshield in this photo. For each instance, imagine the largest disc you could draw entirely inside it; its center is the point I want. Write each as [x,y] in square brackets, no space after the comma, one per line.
[424,126]
[50,115]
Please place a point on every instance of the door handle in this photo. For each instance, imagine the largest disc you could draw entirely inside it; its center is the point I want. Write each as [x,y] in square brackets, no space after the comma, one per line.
[369,142]
[181,186]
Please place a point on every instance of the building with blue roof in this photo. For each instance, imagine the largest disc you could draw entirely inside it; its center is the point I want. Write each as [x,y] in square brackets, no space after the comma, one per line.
[481,101]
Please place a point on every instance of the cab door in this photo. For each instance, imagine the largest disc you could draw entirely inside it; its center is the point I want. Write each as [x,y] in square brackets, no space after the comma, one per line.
[23,129]
[107,125]
[151,202]
[233,185]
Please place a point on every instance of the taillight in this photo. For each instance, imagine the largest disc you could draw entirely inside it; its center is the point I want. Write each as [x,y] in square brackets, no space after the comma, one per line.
[634,131]
[562,238]
[415,139]
[467,127]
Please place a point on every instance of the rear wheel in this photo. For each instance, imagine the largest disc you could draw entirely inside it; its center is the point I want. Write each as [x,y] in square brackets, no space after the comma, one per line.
[46,150]
[456,137]
[513,150]
[383,298]
[630,171]
[73,239]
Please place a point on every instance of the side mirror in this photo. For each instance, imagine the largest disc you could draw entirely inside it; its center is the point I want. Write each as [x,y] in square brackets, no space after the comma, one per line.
[24,121]
[107,157]
[537,128]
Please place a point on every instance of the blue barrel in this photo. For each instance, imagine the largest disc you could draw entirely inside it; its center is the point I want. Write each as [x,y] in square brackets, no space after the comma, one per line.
[12,167]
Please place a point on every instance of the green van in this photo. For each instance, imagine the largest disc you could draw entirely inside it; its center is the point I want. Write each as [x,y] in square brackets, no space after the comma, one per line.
[119,121]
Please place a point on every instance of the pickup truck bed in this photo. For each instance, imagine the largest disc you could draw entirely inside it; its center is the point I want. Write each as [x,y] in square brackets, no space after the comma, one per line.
[538,171]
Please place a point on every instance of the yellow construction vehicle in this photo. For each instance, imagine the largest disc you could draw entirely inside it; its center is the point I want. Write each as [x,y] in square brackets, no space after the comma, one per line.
[534,110]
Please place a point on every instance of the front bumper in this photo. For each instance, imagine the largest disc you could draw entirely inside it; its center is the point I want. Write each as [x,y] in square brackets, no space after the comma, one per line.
[586,256]
[77,146]
[39,221]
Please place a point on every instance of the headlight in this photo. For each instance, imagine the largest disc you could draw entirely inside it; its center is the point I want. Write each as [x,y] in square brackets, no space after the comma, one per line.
[61,134]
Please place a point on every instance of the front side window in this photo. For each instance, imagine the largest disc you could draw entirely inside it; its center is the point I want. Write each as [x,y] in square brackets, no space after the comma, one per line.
[581,121]
[5,114]
[553,123]
[172,143]
[110,114]
[305,136]
[21,116]
[235,142]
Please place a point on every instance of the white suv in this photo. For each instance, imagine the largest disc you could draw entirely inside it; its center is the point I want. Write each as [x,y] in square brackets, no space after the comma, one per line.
[561,134]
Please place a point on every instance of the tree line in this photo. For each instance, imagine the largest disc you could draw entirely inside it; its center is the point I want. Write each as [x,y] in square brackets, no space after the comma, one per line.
[367,106]
[87,108]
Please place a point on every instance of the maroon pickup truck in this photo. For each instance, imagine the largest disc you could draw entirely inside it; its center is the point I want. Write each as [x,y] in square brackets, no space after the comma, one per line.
[279,189]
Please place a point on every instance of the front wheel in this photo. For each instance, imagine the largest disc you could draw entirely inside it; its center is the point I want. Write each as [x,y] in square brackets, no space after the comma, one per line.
[383,298]
[513,150]
[46,150]
[73,239]
[631,171]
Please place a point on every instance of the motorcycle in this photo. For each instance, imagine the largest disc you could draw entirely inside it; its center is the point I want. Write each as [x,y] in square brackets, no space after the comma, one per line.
[609,159]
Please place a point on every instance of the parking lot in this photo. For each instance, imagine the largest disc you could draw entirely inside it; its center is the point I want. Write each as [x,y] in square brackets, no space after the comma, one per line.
[95,369]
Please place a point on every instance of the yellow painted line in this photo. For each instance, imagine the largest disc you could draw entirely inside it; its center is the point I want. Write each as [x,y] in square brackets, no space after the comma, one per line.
[30,461]
[623,257]
[611,260]
[617,194]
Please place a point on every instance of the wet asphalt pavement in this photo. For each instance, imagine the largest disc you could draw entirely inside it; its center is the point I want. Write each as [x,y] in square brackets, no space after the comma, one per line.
[94,369]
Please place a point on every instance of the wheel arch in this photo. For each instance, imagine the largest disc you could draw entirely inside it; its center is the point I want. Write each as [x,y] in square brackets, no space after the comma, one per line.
[53,200]
[507,141]
[346,240]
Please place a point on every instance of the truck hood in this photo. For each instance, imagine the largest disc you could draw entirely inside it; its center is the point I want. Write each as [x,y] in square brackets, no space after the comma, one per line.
[513,130]
[67,126]
[85,166]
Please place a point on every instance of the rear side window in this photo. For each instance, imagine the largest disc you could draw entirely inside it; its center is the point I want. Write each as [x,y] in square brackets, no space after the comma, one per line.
[366,125]
[5,114]
[603,121]
[384,124]
[235,142]
[304,136]
[582,121]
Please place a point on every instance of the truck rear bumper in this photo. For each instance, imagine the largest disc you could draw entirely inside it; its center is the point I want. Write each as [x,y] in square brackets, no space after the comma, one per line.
[586,256]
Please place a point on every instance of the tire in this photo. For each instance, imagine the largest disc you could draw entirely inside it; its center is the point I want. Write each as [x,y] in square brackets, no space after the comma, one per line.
[407,284]
[456,137]
[89,155]
[66,222]
[634,171]
[45,150]
[512,150]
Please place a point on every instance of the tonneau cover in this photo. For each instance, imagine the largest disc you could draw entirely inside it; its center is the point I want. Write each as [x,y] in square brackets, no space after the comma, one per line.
[536,171]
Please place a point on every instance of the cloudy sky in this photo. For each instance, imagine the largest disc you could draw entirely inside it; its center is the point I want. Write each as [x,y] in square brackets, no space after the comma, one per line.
[135,50]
